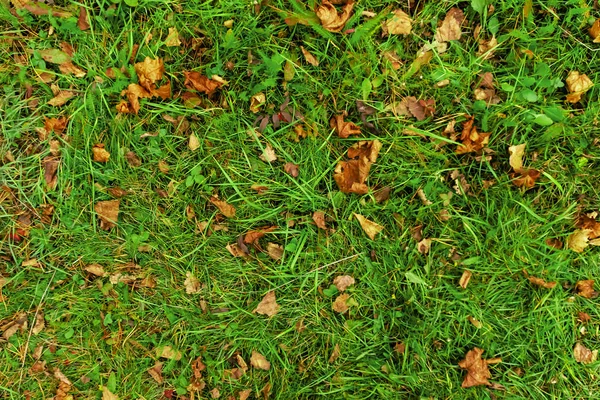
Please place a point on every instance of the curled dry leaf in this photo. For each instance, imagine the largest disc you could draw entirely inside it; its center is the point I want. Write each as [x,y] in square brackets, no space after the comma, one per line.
[236,250]
[476,323]
[371,228]
[584,355]
[319,219]
[579,240]
[40,323]
[583,317]
[351,175]
[487,47]
[275,251]
[149,72]
[541,282]
[95,269]
[465,279]
[586,289]
[335,354]
[291,169]
[522,177]
[343,129]
[451,26]
[194,80]
[108,213]
[268,154]
[589,222]
[172,39]
[226,209]
[257,101]
[191,283]
[312,60]
[554,242]
[259,361]
[50,165]
[268,305]
[99,153]
[577,85]
[331,19]
[424,246]
[399,24]
[472,140]
[168,352]
[595,31]
[342,282]
[477,368]
[340,304]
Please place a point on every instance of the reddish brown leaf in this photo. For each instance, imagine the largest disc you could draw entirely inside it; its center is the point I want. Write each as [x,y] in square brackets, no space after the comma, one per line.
[82,21]
[335,354]
[291,169]
[351,175]
[586,289]
[51,164]
[252,237]
[100,154]
[149,72]
[541,282]
[583,317]
[344,129]
[472,140]
[226,209]
[194,80]
[477,368]
[57,125]
[319,219]
[340,304]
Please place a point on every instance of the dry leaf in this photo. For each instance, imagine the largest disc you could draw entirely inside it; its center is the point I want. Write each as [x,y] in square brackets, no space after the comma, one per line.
[253,236]
[193,142]
[82,21]
[382,194]
[268,154]
[95,269]
[244,394]
[50,165]
[420,109]
[100,154]
[71,69]
[168,352]
[156,372]
[554,242]
[40,323]
[108,395]
[149,72]
[577,85]
[268,305]
[371,228]
[516,156]
[578,240]
[541,282]
[487,47]
[342,282]
[259,361]
[319,219]
[132,159]
[236,250]
[191,283]
[423,246]
[312,60]
[400,348]
[477,368]
[226,209]
[476,323]
[584,355]
[331,19]
[291,169]
[450,28]
[275,251]
[194,80]
[589,222]
[583,317]
[257,101]
[465,278]
[344,129]
[525,178]
[108,213]
[340,304]
[335,354]
[399,24]
[595,31]
[172,39]
[61,98]
[351,175]
[57,125]
[472,140]
[586,289]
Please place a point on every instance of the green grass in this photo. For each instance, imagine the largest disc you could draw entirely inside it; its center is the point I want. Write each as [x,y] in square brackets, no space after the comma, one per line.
[108,333]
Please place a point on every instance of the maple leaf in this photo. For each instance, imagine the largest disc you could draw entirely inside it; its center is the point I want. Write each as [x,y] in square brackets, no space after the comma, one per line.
[335,354]
[330,18]
[344,129]
[342,282]
[465,278]
[371,228]
[451,26]
[577,85]
[586,289]
[319,219]
[477,368]
[259,361]
[168,352]
[226,209]
[291,169]
[595,31]
[268,305]
[472,140]
[191,283]
[312,60]
[108,213]
[584,355]
[99,153]
[194,80]
[399,24]
[351,175]
[541,282]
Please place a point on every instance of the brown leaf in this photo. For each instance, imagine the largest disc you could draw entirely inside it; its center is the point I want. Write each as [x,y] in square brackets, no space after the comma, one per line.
[168,352]
[40,323]
[108,395]
[38,366]
[235,250]
[477,369]
[257,101]
[82,21]
[583,317]
[215,393]
[191,283]
[335,354]
[194,80]
[149,72]
[51,164]
[275,251]
[526,178]
[156,372]
[340,304]
[331,19]
[132,159]
[541,282]
[268,154]
[424,245]
[450,28]
[193,142]
[344,129]
[69,68]
[172,39]
[244,394]
[487,47]
[312,60]
[577,85]
[108,213]
[319,219]
[342,282]
[465,278]
[476,323]
[399,24]
[259,361]
[400,348]
[589,222]
[252,237]
[100,154]
[291,169]
[579,240]
[58,125]
[595,31]
[39,8]
[226,209]
[95,269]
[420,109]
[371,228]
[516,156]
[584,355]
[586,289]
[472,140]
[61,98]
[351,175]
[268,305]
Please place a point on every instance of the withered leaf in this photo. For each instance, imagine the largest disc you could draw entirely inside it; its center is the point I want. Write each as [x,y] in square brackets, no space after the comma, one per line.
[156,372]
[472,140]
[168,352]
[340,304]
[420,109]
[424,245]
[583,317]
[331,19]
[226,209]
[516,156]
[235,250]
[61,98]
[57,125]
[291,169]
[99,153]
[465,278]
[477,369]
[108,395]
[82,21]
[451,26]
[172,39]
[371,228]
[595,31]
[268,305]
[51,164]
[95,269]
[108,213]
[319,219]
[257,101]
[577,85]
[541,282]
[351,175]
[194,80]
[579,240]
[275,251]
[268,154]
[342,282]
[259,361]
[40,323]
[132,159]
[586,289]
[193,142]
[399,24]
[584,355]
[335,354]
[344,129]
[191,283]
[589,222]
[149,72]
[69,68]
[312,60]
[253,236]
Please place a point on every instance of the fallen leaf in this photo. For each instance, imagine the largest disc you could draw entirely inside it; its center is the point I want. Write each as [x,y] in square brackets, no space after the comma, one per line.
[487,47]
[465,279]
[99,153]
[95,269]
[268,305]
[382,194]
[335,354]
[50,165]
[541,282]
[108,213]
[132,159]
[291,169]
[168,352]
[193,142]
[38,366]
[424,245]
[351,175]
[371,228]
[108,395]
[194,80]
[61,377]
[149,72]
[259,361]
[215,393]
[275,251]
[40,323]
[82,21]
[69,68]
[343,129]
[526,178]
[451,26]
[39,8]
[420,109]
[268,154]
[595,31]
[472,140]
[477,369]
[191,283]
[589,222]
[226,209]
[56,125]
[577,85]
[516,156]
[244,394]
[586,289]
[172,39]
[156,372]
[399,24]
[61,98]
[312,60]
[253,236]
[235,250]
[340,304]
[554,242]
[331,19]
[583,317]
[257,101]
[400,348]
[584,355]
[319,219]
[485,89]
[342,282]
[578,240]
[476,323]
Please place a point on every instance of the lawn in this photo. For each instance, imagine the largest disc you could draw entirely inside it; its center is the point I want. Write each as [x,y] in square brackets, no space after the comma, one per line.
[296,200]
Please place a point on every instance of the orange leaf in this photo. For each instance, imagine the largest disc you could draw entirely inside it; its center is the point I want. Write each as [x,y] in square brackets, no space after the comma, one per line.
[344,129]
[194,80]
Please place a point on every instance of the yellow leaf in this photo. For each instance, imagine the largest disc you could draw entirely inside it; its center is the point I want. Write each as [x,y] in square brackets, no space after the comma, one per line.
[371,228]
[309,57]
[399,24]
[172,39]
[331,19]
